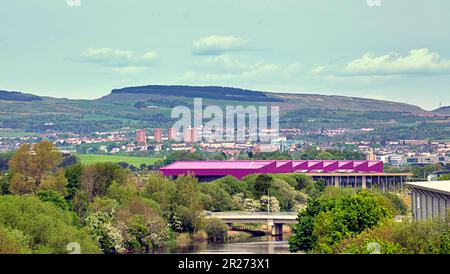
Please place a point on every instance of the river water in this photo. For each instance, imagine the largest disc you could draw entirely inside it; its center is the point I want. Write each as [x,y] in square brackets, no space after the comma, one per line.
[252,245]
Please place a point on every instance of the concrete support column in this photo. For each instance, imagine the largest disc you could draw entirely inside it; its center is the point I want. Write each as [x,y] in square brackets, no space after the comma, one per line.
[364,182]
[277,229]
[337,181]
[270,226]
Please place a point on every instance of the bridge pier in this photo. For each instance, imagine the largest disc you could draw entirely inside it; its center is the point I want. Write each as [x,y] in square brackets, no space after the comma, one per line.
[277,229]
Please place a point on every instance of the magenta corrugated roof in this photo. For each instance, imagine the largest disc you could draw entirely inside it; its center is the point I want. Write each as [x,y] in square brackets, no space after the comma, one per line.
[241,169]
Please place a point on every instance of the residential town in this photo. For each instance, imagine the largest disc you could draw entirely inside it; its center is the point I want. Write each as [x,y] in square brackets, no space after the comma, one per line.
[394,153]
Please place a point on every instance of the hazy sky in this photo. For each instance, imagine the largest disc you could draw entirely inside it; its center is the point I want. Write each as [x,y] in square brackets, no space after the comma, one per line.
[398,51]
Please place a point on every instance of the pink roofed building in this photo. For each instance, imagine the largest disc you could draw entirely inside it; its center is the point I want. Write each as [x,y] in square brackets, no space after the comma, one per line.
[241,169]
[334,172]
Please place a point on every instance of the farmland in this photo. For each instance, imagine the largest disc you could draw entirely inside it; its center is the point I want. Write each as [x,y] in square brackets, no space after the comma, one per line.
[87,159]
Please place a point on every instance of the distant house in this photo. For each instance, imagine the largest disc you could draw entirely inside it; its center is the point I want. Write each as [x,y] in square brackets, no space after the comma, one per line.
[429,199]
[103,149]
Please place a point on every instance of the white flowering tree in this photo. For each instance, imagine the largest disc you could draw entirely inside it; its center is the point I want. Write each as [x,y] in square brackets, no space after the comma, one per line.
[270,204]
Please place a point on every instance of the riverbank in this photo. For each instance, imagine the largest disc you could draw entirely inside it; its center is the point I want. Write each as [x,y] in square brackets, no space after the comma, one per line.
[253,239]
[247,245]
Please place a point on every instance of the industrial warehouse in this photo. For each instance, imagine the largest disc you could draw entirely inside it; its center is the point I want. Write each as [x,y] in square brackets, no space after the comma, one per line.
[363,174]
[429,199]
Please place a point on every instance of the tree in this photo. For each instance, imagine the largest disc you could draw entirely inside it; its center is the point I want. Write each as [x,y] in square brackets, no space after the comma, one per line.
[73,175]
[351,216]
[34,164]
[445,177]
[47,228]
[303,238]
[69,160]
[325,155]
[101,225]
[251,205]
[4,159]
[183,156]
[415,237]
[261,185]
[444,243]
[232,185]
[97,178]
[188,207]
[161,190]
[270,204]
[145,228]
[5,182]
[121,193]
[56,182]
[303,183]
[54,198]
[286,195]
[215,198]
[21,184]
[13,242]
[332,219]
[216,229]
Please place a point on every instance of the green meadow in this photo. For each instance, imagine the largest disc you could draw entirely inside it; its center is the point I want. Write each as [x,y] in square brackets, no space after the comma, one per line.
[10,134]
[132,160]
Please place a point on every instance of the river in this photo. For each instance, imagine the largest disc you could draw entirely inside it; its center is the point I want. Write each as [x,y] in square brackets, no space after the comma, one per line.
[252,245]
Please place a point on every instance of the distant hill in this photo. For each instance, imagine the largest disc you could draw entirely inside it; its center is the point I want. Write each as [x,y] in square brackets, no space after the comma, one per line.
[208,92]
[443,110]
[18,96]
[150,107]
[287,101]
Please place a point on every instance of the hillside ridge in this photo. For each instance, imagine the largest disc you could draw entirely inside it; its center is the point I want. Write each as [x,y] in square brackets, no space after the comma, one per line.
[18,96]
[285,100]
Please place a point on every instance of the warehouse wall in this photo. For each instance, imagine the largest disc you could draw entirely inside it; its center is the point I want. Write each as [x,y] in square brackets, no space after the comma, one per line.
[428,204]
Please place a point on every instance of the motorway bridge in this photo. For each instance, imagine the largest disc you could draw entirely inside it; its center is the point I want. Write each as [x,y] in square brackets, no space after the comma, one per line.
[274,220]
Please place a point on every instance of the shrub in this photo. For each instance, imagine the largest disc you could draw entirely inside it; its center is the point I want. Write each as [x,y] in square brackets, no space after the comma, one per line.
[13,242]
[332,218]
[251,205]
[48,228]
[269,204]
[215,198]
[53,197]
[216,229]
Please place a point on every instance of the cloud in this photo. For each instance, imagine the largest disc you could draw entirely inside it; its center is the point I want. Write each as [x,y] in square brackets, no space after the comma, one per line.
[416,62]
[128,70]
[217,45]
[226,67]
[121,61]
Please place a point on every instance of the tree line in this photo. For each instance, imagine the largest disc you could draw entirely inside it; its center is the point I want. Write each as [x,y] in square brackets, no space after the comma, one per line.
[49,200]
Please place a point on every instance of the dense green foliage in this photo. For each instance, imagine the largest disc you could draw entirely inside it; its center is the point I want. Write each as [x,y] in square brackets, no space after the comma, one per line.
[106,208]
[339,214]
[210,92]
[416,237]
[313,153]
[40,227]
[215,229]
[445,177]
[53,197]
[4,159]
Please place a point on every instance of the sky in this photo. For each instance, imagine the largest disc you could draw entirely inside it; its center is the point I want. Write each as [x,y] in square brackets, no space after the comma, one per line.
[396,50]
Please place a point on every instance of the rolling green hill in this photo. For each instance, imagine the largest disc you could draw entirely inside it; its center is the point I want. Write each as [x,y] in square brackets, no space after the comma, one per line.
[443,111]
[287,101]
[18,96]
[150,107]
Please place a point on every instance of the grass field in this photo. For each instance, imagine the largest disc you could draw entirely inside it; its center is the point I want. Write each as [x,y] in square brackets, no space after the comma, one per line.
[135,161]
[9,134]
